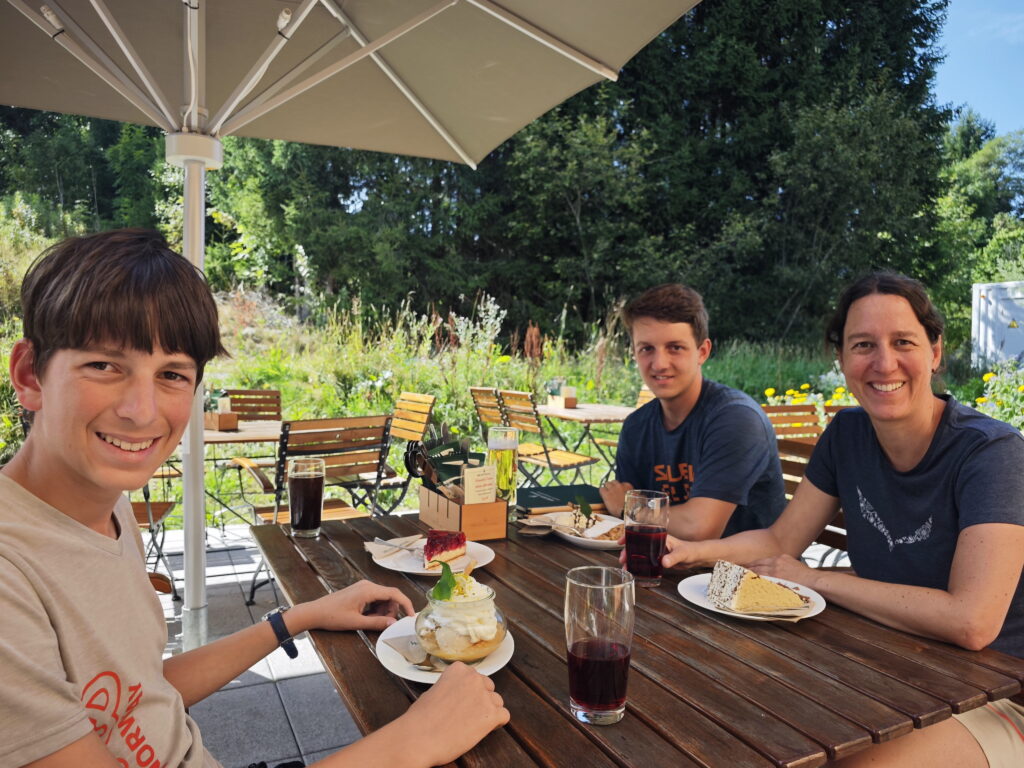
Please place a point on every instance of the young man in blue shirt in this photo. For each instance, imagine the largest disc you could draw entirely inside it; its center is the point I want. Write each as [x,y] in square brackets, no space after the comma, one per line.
[709,447]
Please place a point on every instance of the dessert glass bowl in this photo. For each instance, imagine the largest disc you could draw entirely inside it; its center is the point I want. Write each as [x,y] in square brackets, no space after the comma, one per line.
[446,628]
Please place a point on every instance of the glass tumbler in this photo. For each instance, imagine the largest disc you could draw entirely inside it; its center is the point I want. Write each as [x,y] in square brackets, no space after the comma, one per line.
[599,610]
[306,496]
[645,514]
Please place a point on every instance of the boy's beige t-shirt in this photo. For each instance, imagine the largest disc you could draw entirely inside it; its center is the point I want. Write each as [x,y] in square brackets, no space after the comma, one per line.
[82,635]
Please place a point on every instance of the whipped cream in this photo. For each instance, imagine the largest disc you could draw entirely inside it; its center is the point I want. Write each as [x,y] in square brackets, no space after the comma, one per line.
[468,615]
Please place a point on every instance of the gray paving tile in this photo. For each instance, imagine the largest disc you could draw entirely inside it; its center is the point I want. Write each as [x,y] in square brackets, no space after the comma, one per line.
[318,717]
[306,663]
[224,617]
[245,725]
[255,675]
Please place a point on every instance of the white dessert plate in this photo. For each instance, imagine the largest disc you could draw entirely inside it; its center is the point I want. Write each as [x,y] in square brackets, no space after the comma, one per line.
[695,590]
[565,518]
[393,661]
[412,562]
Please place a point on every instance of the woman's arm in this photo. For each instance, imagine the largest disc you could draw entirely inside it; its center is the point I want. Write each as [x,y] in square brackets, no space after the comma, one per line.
[986,569]
[364,605]
[800,522]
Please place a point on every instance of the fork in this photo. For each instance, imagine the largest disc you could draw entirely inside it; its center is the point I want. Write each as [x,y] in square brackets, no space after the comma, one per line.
[410,548]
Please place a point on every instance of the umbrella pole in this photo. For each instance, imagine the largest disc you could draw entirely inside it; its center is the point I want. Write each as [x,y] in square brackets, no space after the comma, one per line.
[195,153]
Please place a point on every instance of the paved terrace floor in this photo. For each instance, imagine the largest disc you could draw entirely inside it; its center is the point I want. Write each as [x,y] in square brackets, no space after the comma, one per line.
[280,709]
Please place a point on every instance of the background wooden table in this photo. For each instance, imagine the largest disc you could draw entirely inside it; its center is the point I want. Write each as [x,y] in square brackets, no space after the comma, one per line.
[704,689]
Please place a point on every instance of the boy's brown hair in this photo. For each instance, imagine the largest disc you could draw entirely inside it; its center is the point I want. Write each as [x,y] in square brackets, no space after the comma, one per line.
[124,287]
[669,303]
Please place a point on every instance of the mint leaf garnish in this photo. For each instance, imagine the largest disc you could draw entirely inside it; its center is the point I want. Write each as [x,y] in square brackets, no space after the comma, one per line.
[584,506]
[443,589]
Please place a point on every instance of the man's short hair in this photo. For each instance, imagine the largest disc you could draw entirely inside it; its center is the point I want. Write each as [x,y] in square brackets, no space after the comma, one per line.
[669,303]
[124,287]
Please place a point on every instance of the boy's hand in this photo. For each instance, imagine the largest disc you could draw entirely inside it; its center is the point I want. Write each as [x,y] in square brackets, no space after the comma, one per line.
[458,711]
[364,605]
[613,494]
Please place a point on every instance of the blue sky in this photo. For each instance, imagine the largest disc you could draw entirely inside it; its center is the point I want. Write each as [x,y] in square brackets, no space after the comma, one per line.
[984,45]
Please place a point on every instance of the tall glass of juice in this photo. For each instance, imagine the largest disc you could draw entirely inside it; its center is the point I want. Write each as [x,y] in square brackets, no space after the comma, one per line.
[599,605]
[503,453]
[646,516]
[306,496]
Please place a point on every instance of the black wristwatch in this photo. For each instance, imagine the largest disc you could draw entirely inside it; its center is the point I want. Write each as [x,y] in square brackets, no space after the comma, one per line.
[284,639]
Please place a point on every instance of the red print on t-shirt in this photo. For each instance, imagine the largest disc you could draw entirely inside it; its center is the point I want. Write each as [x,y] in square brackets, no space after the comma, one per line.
[102,699]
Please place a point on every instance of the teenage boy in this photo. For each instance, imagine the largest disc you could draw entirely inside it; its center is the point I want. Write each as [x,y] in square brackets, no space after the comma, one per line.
[118,329]
[709,447]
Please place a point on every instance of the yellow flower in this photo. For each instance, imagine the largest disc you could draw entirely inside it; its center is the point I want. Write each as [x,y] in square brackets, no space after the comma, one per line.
[791,392]
[770,392]
[988,376]
[799,400]
[999,402]
[1020,388]
[828,402]
[504,358]
[590,384]
[840,390]
[981,400]
[805,386]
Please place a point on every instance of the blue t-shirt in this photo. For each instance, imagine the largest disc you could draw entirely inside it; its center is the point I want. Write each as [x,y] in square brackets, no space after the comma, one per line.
[725,449]
[902,527]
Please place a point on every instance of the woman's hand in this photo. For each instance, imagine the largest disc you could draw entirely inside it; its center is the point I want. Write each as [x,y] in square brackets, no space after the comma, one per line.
[364,605]
[785,567]
[678,552]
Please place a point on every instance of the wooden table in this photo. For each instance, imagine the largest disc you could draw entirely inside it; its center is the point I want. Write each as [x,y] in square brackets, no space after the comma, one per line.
[587,414]
[247,432]
[704,689]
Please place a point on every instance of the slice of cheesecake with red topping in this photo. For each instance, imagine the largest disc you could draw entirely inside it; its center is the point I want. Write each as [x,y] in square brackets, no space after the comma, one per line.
[443,546]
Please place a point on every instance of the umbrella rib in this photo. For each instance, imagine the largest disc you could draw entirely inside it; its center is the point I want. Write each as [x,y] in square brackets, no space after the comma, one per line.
[60,34]
[289,77]
[130,53]
[259,69]
[402,86]
[250,112]
[559,46]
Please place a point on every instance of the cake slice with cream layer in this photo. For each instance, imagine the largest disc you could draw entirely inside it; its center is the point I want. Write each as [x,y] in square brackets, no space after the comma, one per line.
[735,588]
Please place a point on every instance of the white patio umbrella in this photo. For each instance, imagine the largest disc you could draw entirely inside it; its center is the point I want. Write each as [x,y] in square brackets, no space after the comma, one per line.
[449,80]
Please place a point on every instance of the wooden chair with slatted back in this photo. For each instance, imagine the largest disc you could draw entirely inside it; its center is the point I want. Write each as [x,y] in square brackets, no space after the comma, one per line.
[351,448]
[488,408]
[409,422]
[794,454]
[794,420]
[490,414]
[519,410]
[832,410]
[255,404]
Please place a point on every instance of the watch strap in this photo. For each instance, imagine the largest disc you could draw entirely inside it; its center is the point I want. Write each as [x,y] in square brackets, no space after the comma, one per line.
[284,639]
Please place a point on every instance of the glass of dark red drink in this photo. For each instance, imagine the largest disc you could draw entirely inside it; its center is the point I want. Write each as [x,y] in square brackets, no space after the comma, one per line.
[306,496]
[598,636]
[646,516]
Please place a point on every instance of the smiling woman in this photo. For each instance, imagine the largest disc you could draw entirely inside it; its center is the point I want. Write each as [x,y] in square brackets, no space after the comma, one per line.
[933,499]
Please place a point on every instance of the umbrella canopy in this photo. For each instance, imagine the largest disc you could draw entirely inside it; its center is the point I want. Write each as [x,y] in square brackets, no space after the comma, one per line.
[448,79]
